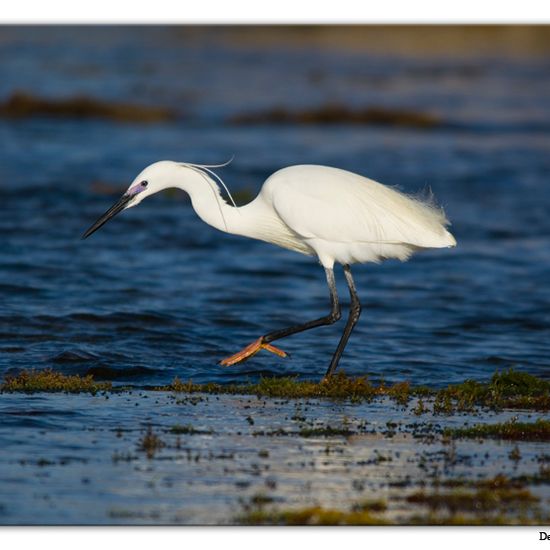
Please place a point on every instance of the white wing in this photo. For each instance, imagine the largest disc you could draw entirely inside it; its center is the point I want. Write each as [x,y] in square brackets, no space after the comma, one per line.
[320,202]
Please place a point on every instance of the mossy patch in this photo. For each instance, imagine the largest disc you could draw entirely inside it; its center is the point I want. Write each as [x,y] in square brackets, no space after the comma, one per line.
[482,500]
[31,381]
[314,515]
[500,500]
[339,386]
[524,431]
[461,519]
[260,509]
[188,429]
[325,431]
[150,443]
[370,506]
[542,477]
[498,482]
[508,389]
[496,501]
[496,505]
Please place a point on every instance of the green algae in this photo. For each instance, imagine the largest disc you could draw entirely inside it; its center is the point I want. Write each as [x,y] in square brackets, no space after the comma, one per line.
[494,503]
[313,515]
[339,386]
[457,509]
[523,431]
[325,431]
[150,443]
[479,520]
[188,430]
[260,509]
[499,481]
[508,389]
[420,407]
[501,499]
[370,505]
[32,381]
[542,477]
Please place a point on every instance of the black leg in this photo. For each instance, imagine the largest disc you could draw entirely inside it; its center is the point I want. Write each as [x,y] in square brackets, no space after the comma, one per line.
[263,342]
[332,317]
[354,312]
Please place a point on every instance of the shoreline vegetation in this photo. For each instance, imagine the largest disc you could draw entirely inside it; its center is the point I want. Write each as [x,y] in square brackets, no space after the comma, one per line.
[508,389]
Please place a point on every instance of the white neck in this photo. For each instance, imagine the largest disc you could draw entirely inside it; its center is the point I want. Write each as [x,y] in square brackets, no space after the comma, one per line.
[256,220]
[206,199]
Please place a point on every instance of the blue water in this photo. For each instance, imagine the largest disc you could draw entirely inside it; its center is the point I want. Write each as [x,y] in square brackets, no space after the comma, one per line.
[157,294]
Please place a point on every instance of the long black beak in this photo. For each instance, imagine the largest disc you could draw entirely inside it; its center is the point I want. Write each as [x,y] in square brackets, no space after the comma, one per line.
[111,213]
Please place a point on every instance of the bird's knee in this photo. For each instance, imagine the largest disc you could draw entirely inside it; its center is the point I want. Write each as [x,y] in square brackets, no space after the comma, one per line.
[335,315]
[355,310]
[332,317]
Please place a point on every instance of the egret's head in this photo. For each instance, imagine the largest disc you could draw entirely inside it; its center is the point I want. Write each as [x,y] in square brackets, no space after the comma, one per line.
[153,179]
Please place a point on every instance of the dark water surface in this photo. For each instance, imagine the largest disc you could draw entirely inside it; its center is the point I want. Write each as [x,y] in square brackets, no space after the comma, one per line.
[156,293]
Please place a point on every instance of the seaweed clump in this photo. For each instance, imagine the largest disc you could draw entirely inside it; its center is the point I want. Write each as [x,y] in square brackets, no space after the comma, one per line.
[498,482]
[315,515]
[340,114]
[496,505]
[23,105]
[150,443]
[32,381]
[513,430]
[508,389]
[338,386]
[188,430]
[482,500]
[497,501]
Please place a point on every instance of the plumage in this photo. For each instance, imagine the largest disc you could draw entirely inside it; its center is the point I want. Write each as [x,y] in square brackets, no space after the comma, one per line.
[337,215]
[348,218]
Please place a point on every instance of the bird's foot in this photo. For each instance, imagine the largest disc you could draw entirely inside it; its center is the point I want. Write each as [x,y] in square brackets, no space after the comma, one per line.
[250,350]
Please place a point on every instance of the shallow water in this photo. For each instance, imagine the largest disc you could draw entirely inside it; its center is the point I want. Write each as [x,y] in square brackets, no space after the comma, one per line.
[77,459]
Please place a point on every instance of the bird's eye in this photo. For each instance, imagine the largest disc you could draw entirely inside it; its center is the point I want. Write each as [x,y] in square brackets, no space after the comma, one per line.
[144,183]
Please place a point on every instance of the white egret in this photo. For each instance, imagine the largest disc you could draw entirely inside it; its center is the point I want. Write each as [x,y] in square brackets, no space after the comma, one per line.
[320,211]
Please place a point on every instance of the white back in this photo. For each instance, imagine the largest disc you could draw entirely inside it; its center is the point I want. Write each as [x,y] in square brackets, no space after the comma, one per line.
[337,205]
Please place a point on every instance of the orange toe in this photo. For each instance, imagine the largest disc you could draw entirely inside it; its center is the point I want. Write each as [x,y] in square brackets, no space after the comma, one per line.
[276,351]
[249,351]
[244,354]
